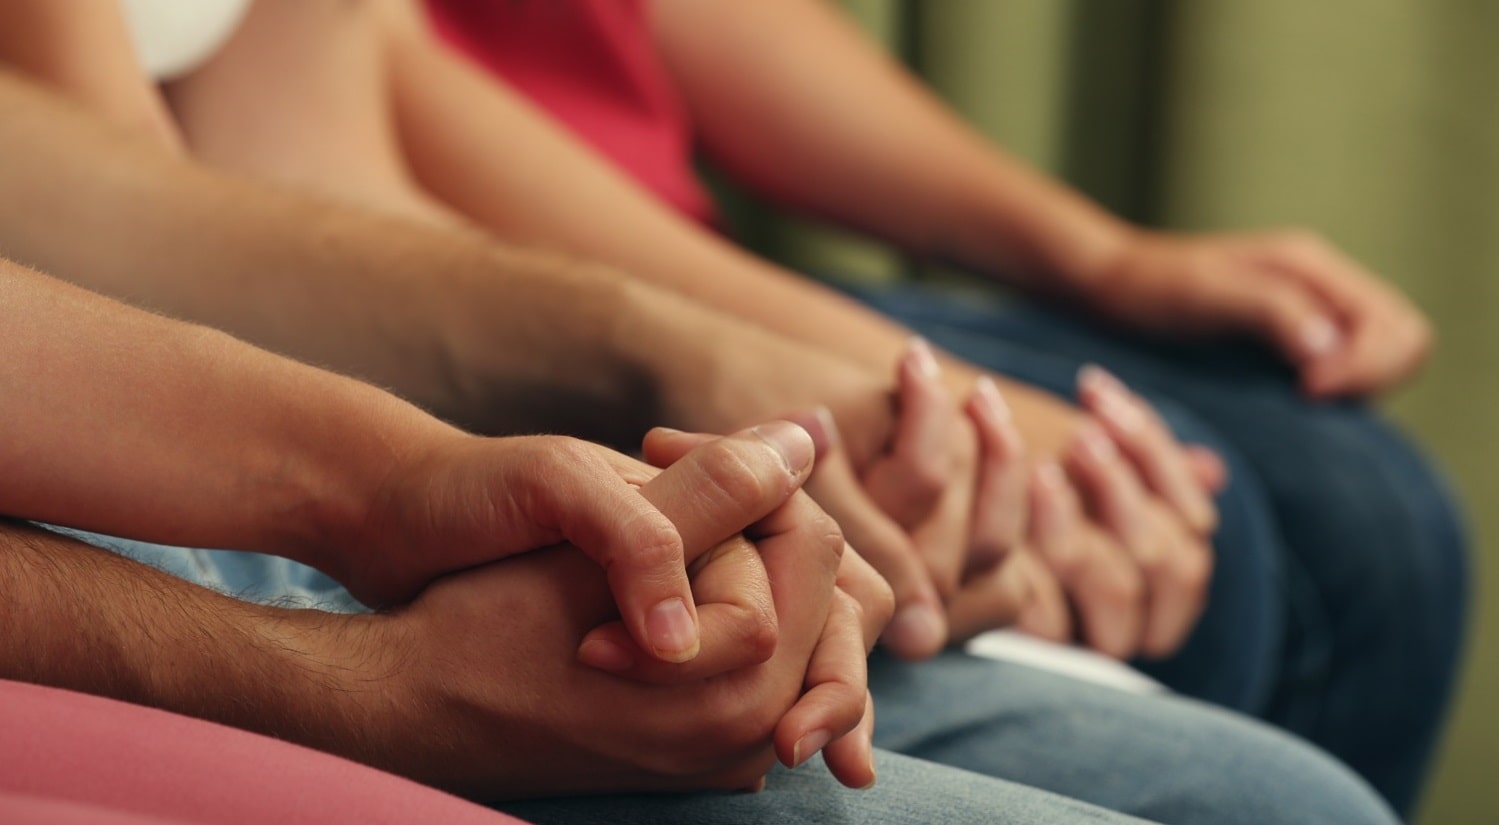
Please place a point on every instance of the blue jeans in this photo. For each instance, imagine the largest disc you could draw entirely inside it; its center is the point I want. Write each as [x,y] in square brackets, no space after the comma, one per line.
[1339,603]
[965,740]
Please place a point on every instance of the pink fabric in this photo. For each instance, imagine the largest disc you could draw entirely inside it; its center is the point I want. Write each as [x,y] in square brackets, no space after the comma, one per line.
[593,66]
[65,757]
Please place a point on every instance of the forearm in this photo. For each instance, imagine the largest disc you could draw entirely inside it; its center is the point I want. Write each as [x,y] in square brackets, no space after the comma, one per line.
[840,130]
[83,619]
[123,422]
[452,120]
[82,49]
[492,339]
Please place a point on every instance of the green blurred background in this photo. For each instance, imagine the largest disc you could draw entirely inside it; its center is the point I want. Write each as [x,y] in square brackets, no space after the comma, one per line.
[1375,122]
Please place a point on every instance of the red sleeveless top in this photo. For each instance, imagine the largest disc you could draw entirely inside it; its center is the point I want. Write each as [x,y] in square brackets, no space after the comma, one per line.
[593,66]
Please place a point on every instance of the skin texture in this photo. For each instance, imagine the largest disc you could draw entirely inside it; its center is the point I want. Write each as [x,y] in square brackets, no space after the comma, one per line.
[415,292]
[440,692]
[363,166]
[430,87]
[438,689]
[835,123]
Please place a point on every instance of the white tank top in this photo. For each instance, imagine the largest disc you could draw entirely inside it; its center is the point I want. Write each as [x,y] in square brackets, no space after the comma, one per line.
[173,37]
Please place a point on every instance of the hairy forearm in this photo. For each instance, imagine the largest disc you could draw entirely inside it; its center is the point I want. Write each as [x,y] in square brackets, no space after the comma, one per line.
[124,422]
[840,130]
[496,340]
[83,619]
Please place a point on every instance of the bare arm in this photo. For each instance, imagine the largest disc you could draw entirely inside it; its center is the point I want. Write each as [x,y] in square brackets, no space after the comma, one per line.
[452,118]
[494,339]
[84,619]
[81,48]
[125,422]
[434,692]
[842,131]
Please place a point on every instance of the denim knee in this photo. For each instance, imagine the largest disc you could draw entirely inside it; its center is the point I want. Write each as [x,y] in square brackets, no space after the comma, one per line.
[1163,758]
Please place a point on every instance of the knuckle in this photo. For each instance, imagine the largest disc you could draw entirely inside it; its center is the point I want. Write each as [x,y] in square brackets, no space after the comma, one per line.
[1194,570]
[1124,590]
[1424,337]
[747,725]
[761,634]
[879,606]
[829,536]
[1301,241]
[564,452]
[1065,558]
[727,472]
[923,479]
[653,544]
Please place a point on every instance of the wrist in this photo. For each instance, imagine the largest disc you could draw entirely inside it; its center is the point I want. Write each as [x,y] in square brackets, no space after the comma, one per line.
[1040,235]
[335,523]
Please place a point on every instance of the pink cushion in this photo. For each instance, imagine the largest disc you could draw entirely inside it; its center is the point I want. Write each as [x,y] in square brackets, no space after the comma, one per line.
[65,757]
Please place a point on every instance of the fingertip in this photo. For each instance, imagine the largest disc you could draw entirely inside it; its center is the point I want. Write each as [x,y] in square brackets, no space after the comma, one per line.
[808,745]
[791,442]
[821,426]
[663,446]
[605,655]
[990,402]
[918,631]
[921,359]
[672,631]
[1317,337]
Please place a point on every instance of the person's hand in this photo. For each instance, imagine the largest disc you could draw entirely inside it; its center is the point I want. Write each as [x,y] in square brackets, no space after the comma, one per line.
[490,698]
[864,600]
[945,496]
[1004,582]
[1122,531]
[461,501]
[1347,332]
[894,467]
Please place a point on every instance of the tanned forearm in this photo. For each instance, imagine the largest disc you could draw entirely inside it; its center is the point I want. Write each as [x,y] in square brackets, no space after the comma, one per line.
[82,49]
[496,340]
[545,187]
[123,422]
[83,619]
[842,131]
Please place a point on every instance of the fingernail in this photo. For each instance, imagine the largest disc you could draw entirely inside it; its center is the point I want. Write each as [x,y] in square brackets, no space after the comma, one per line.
[916,627]
[820,425]
[1319,336]
[792,442]
[1099,378]
[992,399]
[1121,411]
[605,655]
[673,632]
[829,425]
[923,358]
[1095,441]
[808,745]
[755,787]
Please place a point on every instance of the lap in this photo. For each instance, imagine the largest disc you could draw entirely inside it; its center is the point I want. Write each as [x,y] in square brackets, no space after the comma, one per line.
[1162,758]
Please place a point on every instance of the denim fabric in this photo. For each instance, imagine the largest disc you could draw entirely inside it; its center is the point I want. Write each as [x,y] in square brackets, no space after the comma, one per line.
[1339,604]
[978,741]
[968,740]
[250,577]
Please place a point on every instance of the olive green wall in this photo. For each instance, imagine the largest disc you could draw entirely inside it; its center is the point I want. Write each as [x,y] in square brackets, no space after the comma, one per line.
[1375,122]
